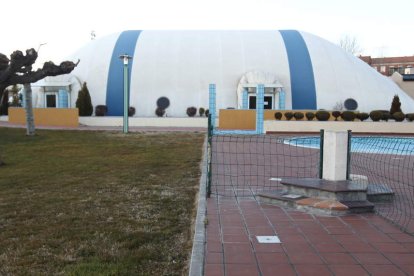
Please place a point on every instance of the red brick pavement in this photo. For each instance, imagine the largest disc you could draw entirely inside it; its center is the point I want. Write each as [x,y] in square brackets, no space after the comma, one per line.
[310,245]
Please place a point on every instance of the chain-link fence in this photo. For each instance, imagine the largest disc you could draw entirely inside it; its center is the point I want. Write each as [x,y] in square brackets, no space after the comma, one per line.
[386,165]
[242,165]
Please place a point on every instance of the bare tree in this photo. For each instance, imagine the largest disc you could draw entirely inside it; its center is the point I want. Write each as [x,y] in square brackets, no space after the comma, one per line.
[18,70]
[350,44]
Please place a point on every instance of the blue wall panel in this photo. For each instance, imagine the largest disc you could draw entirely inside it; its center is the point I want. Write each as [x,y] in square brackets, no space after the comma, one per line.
[114,91]
[301,71]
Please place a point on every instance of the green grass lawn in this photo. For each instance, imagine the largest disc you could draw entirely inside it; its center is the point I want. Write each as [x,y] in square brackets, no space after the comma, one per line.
[97,203]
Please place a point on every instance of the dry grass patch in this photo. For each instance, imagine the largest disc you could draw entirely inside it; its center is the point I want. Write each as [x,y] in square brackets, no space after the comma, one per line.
[97,203]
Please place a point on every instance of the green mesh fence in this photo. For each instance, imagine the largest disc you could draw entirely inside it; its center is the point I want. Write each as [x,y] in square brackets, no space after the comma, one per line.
[243,165]
[386,166]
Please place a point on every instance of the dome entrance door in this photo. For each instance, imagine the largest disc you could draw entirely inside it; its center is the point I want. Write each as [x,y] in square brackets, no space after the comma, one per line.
[268,102]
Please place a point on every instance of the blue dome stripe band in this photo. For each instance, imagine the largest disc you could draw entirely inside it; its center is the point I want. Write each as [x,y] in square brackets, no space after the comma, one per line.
[301,72]
[114,96]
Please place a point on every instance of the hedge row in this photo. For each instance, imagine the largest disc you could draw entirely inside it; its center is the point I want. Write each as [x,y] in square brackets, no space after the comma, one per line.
[322,115]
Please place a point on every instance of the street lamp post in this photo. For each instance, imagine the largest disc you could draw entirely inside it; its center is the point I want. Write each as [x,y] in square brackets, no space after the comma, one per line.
[125,58]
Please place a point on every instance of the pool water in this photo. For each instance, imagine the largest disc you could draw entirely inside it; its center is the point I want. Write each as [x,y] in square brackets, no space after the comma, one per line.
[367,144]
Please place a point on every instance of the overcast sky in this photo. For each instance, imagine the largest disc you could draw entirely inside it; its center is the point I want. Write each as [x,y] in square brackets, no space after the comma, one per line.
[382,28]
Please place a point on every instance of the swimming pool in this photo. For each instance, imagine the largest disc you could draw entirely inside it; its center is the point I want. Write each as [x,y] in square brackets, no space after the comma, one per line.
[366,144]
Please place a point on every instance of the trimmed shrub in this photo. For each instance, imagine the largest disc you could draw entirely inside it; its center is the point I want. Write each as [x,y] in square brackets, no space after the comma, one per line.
[201,111]
[386,115]
[207,112]
[101,110]
[395,105]
[278,115]
[336,114]
[159,111]
[322,115]
[398,116]
[309,116]
[410,117]
[298,115]
[131,111]
[84,102]
[375,115]
[362,116]
[288,115]
[348,116]
[191,111]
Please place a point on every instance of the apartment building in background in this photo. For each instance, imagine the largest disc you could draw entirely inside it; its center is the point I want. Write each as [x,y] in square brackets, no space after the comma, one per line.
[388,65]
[398,69]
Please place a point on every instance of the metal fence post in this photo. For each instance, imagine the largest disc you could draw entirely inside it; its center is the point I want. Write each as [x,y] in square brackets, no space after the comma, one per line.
[348,156]
[209,152]
[322,133]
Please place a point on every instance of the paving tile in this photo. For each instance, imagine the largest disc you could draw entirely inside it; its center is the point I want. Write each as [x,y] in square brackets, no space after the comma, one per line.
[329,247]
[213,270]
[371,258]
[348,239]
[319,237]
[214,246]
[408,268]
[339,230]
[214,258]
[400,258]
[375,237]
[383,270]
[347,270]
[402,237]
[232,223]
[292,238]
[293,248]
[409,246]
[338,258]
[238,253]
[233,230]
[361,247]
[280,269]
[305,258]
[261,231]
[272,258]
[243,238]
[267,247]
[312,270]
[241,270]
[331,221]
[391,247]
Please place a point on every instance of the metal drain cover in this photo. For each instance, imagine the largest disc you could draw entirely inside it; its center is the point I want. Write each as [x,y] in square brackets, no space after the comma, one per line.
[268,239]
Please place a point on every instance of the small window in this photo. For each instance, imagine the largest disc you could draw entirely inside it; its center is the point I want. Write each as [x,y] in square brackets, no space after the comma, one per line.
[383,69]
[51,100]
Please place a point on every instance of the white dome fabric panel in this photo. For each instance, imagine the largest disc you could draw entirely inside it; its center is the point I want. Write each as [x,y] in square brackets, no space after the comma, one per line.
[314,73]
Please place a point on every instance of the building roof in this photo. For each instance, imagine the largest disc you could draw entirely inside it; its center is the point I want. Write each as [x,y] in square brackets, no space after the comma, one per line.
[386,60]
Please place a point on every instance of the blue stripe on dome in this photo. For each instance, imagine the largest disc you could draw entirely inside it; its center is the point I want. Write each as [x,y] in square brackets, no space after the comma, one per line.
[301,72]
[125,44]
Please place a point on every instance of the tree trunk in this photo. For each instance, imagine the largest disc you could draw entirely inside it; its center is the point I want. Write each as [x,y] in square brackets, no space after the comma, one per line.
[30,126]
[4,100]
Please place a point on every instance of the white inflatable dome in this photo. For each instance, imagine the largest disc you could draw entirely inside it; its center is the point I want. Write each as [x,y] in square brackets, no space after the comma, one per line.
[180,65]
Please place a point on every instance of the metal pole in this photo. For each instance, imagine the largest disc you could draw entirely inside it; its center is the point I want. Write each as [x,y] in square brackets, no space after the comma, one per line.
[348,156]
[322,133]
[209,152]
[125,58]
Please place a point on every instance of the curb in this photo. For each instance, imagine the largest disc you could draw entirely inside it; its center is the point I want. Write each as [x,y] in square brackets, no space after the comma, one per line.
[197,254]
